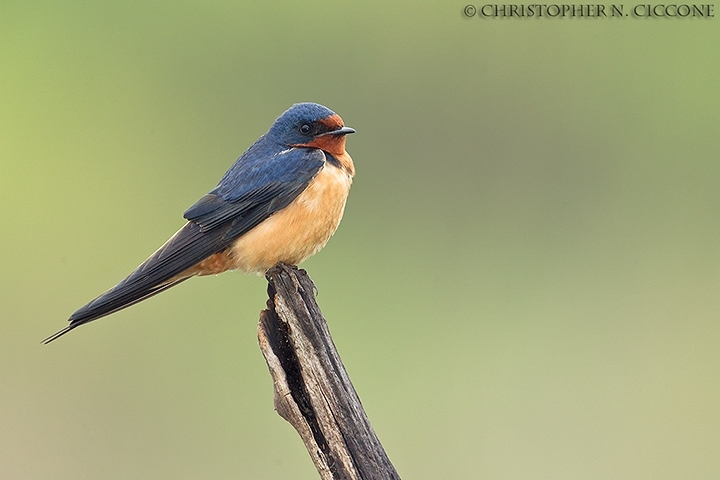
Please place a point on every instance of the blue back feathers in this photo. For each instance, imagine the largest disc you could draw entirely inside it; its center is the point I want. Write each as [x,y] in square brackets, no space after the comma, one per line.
[267,160]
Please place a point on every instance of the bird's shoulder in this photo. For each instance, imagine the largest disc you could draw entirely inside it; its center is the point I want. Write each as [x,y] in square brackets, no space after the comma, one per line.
[266,174]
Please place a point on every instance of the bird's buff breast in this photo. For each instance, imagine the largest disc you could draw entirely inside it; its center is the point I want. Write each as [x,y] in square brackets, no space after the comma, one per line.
[299,230]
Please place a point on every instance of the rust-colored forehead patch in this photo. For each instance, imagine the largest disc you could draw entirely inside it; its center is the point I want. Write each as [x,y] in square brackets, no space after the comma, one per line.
[333,122]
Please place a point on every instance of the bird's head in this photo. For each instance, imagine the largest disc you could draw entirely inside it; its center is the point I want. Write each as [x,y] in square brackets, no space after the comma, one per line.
[311,125]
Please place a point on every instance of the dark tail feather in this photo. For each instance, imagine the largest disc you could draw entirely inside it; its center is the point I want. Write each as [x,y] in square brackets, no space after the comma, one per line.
[98,309]
[164,269]
[59,334]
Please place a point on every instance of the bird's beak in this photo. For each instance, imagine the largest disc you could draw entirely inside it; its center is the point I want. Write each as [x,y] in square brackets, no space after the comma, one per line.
[340,131]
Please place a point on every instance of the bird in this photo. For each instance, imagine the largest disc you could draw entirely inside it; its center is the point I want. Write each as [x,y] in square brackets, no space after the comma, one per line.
[280,202]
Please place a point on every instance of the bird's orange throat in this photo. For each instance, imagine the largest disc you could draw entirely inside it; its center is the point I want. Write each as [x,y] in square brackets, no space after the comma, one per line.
[333,144]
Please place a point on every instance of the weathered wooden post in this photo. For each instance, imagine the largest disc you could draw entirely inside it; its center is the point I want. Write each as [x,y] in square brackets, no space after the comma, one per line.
[312,388]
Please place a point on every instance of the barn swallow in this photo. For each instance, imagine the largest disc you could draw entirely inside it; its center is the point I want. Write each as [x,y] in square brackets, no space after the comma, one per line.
[278,203]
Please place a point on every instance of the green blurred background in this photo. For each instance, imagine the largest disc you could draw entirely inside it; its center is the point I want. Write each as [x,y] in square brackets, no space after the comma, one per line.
[525,284]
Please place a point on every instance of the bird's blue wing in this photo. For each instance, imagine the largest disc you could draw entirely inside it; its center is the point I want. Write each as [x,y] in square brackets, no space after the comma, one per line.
[259,184]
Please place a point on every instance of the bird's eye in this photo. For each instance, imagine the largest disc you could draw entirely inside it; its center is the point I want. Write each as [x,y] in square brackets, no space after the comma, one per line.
[305,129]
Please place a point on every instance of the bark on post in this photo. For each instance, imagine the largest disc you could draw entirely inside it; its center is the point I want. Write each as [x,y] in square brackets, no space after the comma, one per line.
[312,388]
